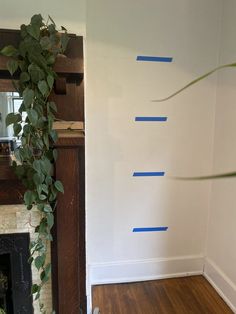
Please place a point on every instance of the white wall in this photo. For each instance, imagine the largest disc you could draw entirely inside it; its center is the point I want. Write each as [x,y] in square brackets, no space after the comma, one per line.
[221,253]
[118,89]
[70,13]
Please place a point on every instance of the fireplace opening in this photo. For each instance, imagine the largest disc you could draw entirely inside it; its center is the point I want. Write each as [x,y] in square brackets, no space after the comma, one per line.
[6,301]
[15,274]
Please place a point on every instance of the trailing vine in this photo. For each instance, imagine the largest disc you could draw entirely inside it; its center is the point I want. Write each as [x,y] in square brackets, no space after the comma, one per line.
[33,60]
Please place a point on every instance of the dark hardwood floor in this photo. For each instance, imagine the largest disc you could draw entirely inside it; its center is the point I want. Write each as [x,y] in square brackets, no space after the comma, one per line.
[187,295]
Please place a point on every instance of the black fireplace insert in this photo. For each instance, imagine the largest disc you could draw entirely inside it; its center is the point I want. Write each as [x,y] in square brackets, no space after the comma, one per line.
[15,274]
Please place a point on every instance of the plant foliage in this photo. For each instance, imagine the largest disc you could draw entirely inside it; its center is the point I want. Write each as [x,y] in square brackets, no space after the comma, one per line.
[33,60]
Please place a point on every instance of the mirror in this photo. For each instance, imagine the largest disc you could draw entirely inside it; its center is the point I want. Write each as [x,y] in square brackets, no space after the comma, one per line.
[9,102]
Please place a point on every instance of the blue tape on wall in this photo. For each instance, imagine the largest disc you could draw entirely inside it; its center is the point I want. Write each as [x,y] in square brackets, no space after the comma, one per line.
[149,174]
[151,229]
[154,59]
[151,119]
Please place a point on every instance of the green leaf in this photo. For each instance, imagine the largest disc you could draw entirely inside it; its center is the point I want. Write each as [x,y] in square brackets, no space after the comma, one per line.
[24,77]
[42,197]
[38,178]
[12,66]
[50,80]
[28,96]
[9,51]
[53,195]
[29,197]
[43,87]
[51,60]
[12,118]
[48,180]
[50,220]
[64,41]
[47,208]
[39,261]
[43,277]
[45,43]
[46,140]
[33,116]
[35,288]
[59,186]
[45,188]
[196,81]
[23,31]
[26,152]
[55,154]
[49,237]
[35,72]
[37,165]
[53,106]
[33,30]
[17,128]
[48,269]
[30,260]
[37,20]
[43,226]
[54,136]
[46,165]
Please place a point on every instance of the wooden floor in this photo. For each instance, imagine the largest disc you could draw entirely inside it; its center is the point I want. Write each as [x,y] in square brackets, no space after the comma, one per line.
[188,295]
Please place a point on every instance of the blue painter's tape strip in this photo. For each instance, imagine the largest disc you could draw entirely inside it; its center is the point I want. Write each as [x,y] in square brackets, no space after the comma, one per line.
[151,229]
[154,59]
[151,119]
[149,174]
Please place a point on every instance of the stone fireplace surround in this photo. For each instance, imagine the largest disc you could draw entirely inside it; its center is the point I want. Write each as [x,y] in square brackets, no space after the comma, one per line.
[17,219]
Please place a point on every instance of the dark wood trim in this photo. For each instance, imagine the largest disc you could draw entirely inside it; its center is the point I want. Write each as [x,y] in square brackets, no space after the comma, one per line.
[6,172]
[11,189]
[68,252]
[11,192]
[68,247]
[6,85]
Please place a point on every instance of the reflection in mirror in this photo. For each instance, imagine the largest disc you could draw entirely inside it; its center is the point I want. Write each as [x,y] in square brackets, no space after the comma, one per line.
[9,102]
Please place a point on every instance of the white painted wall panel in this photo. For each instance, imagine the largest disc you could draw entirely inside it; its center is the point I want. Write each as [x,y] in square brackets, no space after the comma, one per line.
[118,89]
[70,13]
[221,253]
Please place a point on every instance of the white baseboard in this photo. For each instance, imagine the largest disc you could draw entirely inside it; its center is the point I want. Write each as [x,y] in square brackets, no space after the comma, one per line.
[222,284]
[160,268]
[142,270]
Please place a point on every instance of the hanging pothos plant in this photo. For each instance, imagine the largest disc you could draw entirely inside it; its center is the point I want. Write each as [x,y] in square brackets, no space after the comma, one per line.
[33,60]
[224,66]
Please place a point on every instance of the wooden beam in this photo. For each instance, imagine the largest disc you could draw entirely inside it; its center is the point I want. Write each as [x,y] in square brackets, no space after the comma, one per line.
[68,125]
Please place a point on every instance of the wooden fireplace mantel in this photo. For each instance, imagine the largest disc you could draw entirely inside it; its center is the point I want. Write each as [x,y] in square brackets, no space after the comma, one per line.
[68,247]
